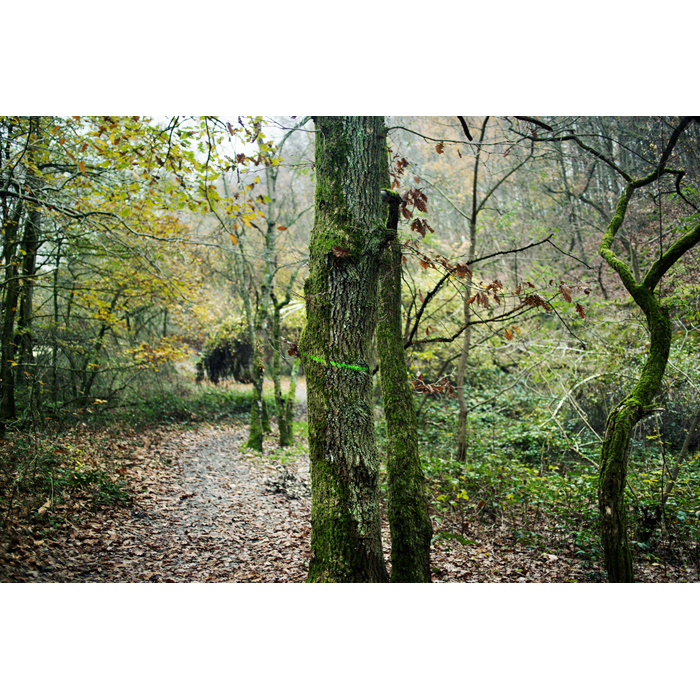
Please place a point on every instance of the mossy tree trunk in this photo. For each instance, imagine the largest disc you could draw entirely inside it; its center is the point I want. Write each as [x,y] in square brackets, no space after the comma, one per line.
[341,309]
[409,520]
[289,405]
[257,403]
[285,428]
[638,403]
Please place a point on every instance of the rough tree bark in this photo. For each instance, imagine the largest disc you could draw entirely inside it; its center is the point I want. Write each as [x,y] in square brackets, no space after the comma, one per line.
[638,403]
[409,520]
[341,309]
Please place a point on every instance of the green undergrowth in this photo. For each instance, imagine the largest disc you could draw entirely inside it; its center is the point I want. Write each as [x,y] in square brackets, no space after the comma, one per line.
[194,404]
[537,483]
[49,480]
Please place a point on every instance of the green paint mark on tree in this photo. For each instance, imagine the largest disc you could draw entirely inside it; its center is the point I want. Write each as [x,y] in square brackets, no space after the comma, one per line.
[337,364]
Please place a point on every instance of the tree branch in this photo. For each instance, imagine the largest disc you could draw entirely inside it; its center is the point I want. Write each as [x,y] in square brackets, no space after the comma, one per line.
[465,128]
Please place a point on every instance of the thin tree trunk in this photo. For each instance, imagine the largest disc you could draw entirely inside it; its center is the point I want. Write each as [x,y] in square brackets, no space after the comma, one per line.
[30,244]
[684,451]
[255,433]
[289,402]
[8,409]
[285,429]
[409,520]
[467,340]
[54,328]
[651,516]
[341,311]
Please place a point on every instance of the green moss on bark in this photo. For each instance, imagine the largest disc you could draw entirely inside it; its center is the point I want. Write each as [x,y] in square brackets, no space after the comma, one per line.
[638,403]
[408,516]
[341,301]
[255,437]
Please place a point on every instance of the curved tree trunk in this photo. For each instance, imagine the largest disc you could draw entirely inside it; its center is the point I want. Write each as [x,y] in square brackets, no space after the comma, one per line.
[623,418]
[613,458]
[341,310]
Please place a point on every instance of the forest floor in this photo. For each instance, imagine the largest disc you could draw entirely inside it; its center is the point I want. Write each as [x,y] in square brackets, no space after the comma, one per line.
[204,508]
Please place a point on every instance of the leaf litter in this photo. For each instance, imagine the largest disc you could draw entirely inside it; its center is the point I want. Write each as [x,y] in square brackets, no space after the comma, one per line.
[203,508]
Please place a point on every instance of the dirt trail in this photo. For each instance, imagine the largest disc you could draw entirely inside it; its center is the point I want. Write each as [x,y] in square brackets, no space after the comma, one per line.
[214,514]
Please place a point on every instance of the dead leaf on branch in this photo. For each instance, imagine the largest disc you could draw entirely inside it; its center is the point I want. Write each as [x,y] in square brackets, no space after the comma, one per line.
[565,291]
[537,300]
[420,226]
[443,386]
[415,198]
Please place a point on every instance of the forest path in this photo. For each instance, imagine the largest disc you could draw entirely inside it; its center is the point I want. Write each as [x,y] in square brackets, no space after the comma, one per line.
[203,509]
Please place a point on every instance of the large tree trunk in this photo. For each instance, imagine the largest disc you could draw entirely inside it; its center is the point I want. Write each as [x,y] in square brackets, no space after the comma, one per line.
[409,520]
[341,309]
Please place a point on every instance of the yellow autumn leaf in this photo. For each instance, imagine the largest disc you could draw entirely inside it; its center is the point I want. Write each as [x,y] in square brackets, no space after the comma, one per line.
[234,240]
[81,165]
